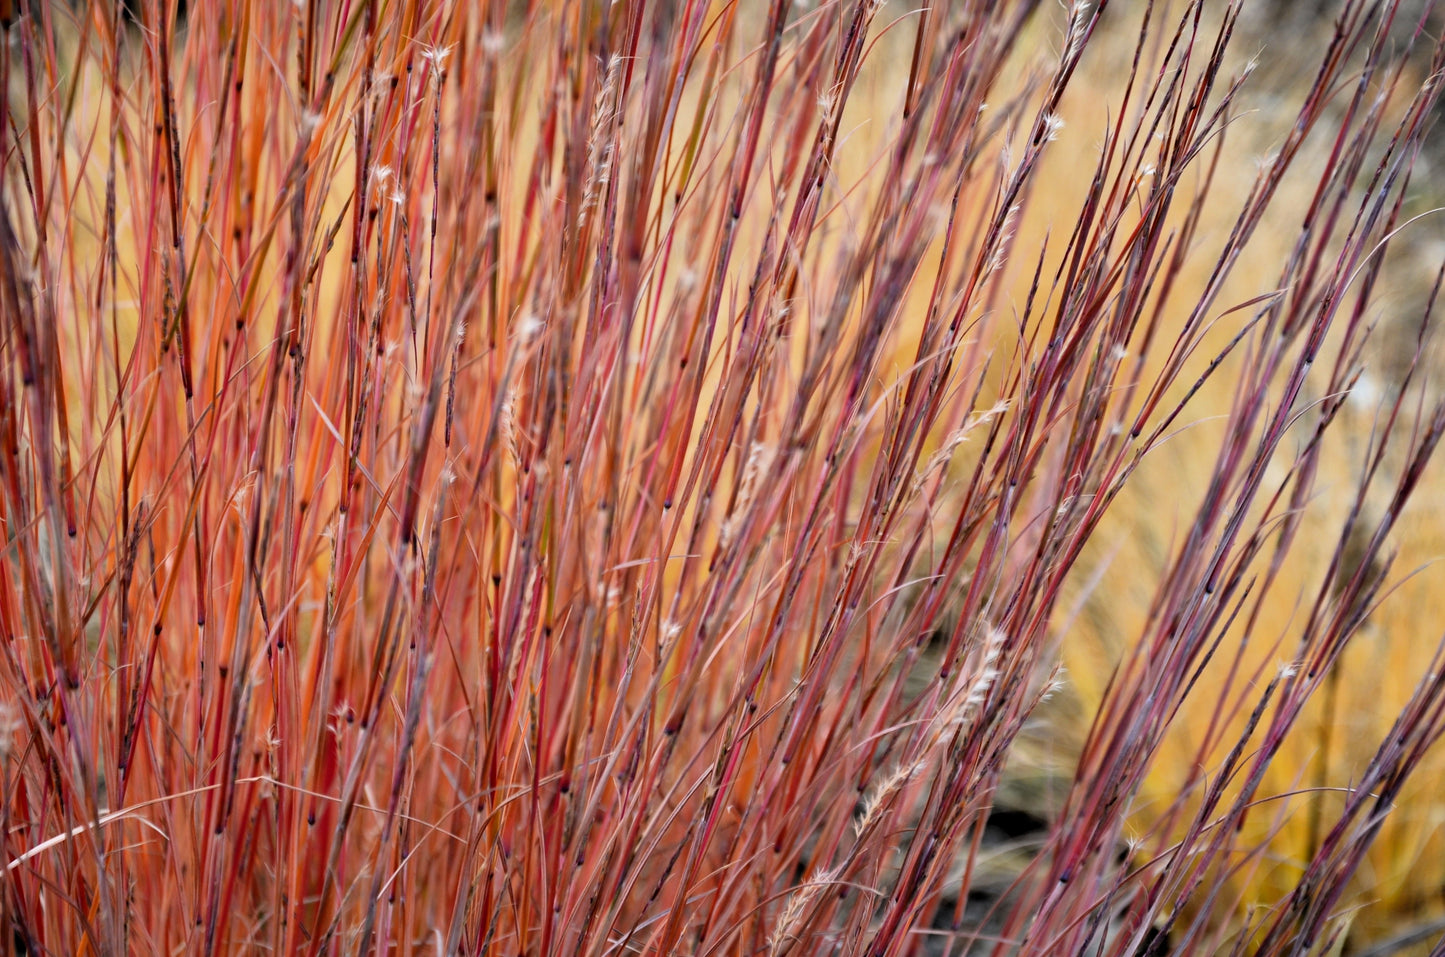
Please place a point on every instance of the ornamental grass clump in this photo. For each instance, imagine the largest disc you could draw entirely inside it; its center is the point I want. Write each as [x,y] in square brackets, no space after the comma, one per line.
[692,477]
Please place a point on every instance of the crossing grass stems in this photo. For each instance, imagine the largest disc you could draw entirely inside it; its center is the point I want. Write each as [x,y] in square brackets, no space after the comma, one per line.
[600,478]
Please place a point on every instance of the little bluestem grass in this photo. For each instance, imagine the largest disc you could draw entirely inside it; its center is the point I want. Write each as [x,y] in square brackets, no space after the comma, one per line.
[647,477]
